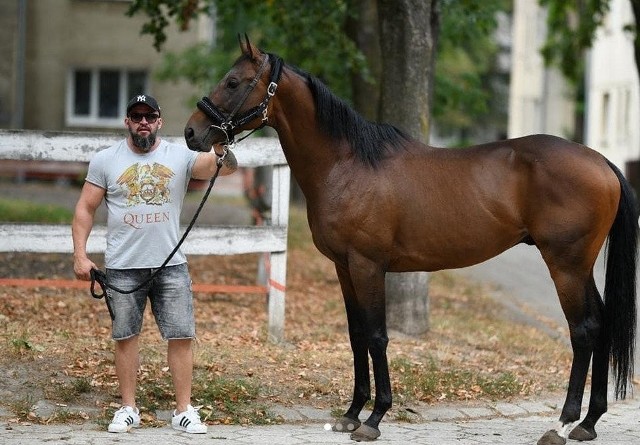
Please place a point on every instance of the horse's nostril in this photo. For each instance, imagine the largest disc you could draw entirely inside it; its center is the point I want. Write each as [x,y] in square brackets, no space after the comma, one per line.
[188,133]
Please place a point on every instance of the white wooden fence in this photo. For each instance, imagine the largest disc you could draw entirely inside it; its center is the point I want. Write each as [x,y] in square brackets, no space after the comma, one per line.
[214,240]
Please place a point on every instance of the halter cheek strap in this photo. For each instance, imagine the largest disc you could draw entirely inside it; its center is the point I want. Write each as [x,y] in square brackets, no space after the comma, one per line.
[226,124]
[251,86]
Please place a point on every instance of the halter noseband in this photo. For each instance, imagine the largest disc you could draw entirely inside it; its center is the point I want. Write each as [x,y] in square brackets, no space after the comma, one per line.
[226,124]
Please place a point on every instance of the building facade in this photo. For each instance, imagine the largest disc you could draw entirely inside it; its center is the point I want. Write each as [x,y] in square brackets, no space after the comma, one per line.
[73,65]
[539,98]
[541,102]
[612,90]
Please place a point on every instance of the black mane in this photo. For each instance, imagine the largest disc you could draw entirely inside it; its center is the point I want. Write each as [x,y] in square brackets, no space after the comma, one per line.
[369,141]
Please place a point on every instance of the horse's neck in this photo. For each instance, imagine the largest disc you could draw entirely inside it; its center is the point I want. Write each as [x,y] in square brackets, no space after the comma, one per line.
[309,151]
[309,166]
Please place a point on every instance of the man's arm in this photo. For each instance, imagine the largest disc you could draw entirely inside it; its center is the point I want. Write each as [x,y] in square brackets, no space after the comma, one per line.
[90,198]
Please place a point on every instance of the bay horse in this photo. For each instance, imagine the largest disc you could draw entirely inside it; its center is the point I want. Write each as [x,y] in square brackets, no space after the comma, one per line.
[379,201]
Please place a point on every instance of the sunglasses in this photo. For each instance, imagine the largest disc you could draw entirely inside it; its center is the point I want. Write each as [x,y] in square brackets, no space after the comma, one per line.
[150,117]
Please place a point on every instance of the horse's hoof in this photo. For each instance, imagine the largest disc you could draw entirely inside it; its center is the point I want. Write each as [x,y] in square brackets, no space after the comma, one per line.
[365,433]
[552,437]
[345,425]
[581,433]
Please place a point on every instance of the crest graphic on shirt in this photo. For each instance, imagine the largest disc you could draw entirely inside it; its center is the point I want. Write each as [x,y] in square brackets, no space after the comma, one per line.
[146,184]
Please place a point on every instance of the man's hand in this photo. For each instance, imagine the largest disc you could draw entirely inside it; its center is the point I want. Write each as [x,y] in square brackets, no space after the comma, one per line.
[221,155]
[82,268]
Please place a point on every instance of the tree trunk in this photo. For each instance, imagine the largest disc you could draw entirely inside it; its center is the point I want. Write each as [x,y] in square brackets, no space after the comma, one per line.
[407,297]
[362,28]
[408,38]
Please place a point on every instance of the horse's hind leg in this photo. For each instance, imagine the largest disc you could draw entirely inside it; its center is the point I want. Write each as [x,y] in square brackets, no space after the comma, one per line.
[599,370]
[577,298]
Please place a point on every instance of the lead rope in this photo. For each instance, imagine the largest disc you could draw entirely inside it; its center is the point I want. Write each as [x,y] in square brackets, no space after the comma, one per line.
[98,276]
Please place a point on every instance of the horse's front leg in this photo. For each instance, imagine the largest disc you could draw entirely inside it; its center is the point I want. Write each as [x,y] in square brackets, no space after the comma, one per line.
[368,283]
[359,347]
[378,341]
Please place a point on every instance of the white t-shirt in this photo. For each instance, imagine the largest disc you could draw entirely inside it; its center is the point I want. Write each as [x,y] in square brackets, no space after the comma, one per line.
[144,194]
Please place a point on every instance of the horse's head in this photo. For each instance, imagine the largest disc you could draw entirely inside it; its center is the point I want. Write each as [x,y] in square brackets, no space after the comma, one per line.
[238,103]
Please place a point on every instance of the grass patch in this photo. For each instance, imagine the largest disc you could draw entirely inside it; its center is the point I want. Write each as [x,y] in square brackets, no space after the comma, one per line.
[69,391]
[155,392]
[230,401]
[67,416]
[21,345]
[431,382]
[21,407]
[15,210]
[222,400]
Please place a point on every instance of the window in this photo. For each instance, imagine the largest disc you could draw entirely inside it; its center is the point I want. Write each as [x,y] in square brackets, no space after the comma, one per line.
[98,97]
[624,124]
[604,120]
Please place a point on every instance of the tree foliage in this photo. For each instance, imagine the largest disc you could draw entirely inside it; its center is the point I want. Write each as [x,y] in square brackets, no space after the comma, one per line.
[464,89]
[162,12]
[571,29]
[312,35]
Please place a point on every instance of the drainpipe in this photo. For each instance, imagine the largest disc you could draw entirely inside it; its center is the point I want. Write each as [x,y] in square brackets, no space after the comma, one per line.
[18,114]
[588,97]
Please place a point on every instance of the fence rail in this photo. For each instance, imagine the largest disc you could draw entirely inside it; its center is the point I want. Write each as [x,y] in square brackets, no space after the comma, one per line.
[213,240]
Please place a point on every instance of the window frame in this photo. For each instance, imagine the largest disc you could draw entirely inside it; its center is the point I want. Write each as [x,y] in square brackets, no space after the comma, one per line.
[93,119]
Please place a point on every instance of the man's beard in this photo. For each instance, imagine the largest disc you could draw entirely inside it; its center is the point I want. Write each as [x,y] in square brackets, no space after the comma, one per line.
[142,142]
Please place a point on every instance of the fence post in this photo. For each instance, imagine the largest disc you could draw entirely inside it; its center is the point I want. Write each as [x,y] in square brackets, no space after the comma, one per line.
[278,261]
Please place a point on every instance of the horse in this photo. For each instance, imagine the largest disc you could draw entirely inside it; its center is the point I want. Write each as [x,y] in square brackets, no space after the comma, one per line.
[380,201]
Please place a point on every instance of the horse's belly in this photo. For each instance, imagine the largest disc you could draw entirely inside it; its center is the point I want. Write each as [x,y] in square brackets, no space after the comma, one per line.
[450,252]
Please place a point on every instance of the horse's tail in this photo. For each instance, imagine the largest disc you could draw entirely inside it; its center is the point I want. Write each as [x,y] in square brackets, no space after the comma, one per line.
[620,286]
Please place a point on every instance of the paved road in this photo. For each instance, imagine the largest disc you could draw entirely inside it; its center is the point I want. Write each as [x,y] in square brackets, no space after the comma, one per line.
[502,423]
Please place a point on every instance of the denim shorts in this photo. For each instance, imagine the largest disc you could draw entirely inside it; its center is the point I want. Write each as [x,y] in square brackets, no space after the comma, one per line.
[170,296]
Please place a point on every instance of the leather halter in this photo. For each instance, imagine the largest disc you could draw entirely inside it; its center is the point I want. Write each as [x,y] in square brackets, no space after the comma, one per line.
[226,124]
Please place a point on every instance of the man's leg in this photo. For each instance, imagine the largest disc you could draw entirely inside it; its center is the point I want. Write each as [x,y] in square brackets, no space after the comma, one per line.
[127,365]
[180,358]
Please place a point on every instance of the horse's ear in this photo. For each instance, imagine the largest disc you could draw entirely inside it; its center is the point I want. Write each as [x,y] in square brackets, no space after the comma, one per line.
[246,47]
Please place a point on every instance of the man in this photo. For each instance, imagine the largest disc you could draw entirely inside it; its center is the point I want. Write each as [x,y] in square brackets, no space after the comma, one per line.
[143,181]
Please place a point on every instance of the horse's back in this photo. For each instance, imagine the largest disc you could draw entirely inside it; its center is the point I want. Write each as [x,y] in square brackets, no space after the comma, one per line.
[553,150]
[538,149]
[565,176]
[481,200]
[536,163]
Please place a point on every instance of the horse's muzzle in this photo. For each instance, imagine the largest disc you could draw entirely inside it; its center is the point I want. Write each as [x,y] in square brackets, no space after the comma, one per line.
[194,143]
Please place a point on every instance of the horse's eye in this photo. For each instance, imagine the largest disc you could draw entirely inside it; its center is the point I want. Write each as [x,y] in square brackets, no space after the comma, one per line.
[233,84]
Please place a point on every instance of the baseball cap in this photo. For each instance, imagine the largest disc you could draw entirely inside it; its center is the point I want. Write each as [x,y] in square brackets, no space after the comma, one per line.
[143,99]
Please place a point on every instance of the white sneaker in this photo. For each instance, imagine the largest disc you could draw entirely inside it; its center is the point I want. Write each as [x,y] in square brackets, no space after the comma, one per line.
[188,421]
[124,419]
